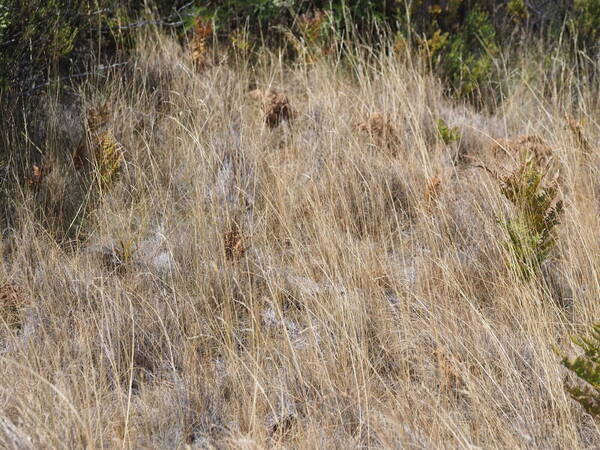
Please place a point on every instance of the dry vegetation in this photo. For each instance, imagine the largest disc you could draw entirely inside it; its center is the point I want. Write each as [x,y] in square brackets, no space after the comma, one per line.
[324,272]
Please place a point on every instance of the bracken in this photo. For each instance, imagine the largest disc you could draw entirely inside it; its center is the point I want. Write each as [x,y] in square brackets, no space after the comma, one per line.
[39,173]
[235,246]
[275,105]
[11,305]
[379,127]
[198,46]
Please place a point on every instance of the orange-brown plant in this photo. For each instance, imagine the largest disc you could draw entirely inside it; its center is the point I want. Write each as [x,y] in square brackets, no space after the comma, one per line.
[235,244]
[379,126]
[12,303]
[203,29]
[275,105]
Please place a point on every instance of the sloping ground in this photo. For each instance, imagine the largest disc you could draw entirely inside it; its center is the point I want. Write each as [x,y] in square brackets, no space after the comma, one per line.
[333,276]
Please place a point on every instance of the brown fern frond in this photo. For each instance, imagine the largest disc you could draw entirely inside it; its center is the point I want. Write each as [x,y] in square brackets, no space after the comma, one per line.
[275,105]
[434,187]
[379,126]
[311,25]
[203,29]
[98,118]
[39,173]
[12,303]
[577,129]
[235,246]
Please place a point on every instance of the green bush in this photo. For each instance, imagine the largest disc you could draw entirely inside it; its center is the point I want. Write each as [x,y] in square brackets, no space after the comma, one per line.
[587,369]
[465,56]
[585,23]
[42,39]
[448,134]
[531,232]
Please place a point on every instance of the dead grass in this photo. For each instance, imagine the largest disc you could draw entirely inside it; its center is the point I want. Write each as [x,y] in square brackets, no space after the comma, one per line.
[355,315]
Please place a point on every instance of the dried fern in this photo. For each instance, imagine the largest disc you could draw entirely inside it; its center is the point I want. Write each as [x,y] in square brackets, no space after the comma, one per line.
[12,303]
[234,243]
[39,173]
[198,46]
[275,105]
[98,118]
[579,134]
[380,127]
[312,41]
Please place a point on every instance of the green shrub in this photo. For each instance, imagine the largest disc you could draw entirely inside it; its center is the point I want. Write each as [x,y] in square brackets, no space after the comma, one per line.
[42,40]
[585,23]
[448,134]
[587,369]
[465,56]
[517,10]
[531,232]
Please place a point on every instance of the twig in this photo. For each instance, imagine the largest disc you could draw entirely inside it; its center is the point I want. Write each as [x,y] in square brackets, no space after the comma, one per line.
[487,169]
[143,23]
[75,76]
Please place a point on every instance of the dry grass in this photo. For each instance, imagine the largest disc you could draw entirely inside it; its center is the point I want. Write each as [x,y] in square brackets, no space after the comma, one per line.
[289,287]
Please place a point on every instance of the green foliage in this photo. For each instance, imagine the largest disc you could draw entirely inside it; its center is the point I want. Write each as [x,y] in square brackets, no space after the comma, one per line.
[531,233]
[264,18]
[517,10]
[447,133]
[4,18]
[587,369]
[585,23]
[465,56]
[45,39]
